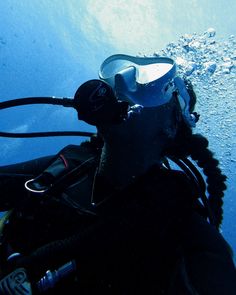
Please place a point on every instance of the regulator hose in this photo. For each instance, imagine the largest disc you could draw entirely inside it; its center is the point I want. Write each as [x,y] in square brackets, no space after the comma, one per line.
[64,101]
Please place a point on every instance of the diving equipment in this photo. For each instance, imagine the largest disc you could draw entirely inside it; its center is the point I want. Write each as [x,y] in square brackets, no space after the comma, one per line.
[17,282]
[51,278]
[146,81]
[96,104]
[66,102]
[141,80]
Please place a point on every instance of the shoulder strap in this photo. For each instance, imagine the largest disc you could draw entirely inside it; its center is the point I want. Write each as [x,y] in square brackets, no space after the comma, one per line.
[196,178]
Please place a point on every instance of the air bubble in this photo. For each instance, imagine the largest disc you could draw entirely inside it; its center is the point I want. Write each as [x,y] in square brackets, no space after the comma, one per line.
[210,33]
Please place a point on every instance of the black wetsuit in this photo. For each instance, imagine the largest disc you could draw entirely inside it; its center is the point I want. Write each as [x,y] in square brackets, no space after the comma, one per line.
[142,240]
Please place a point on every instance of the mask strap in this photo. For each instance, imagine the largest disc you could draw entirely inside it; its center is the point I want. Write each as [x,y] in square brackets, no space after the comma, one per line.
[184,100]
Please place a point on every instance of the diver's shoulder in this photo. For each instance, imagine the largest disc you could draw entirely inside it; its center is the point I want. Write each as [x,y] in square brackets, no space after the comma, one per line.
[170,179]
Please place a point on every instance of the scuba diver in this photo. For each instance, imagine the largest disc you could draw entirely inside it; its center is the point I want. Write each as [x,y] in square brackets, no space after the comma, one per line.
[126,212]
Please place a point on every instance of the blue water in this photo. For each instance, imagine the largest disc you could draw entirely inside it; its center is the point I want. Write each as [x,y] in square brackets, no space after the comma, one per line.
[50,47]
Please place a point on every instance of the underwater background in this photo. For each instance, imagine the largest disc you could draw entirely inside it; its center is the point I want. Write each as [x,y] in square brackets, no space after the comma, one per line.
[50,47]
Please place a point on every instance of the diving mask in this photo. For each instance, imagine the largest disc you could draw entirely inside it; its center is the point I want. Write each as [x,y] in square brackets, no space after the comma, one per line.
[146,81]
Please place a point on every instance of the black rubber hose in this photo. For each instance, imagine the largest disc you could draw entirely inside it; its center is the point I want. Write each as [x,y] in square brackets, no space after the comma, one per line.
[66,102]
[46,134]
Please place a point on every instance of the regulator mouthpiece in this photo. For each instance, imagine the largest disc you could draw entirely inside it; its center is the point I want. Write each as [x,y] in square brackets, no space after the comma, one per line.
[97,104]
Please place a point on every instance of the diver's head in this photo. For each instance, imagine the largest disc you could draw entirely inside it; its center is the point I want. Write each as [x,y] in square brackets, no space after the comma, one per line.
[136,101]
[137,140]
[127,82]
[97,104]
